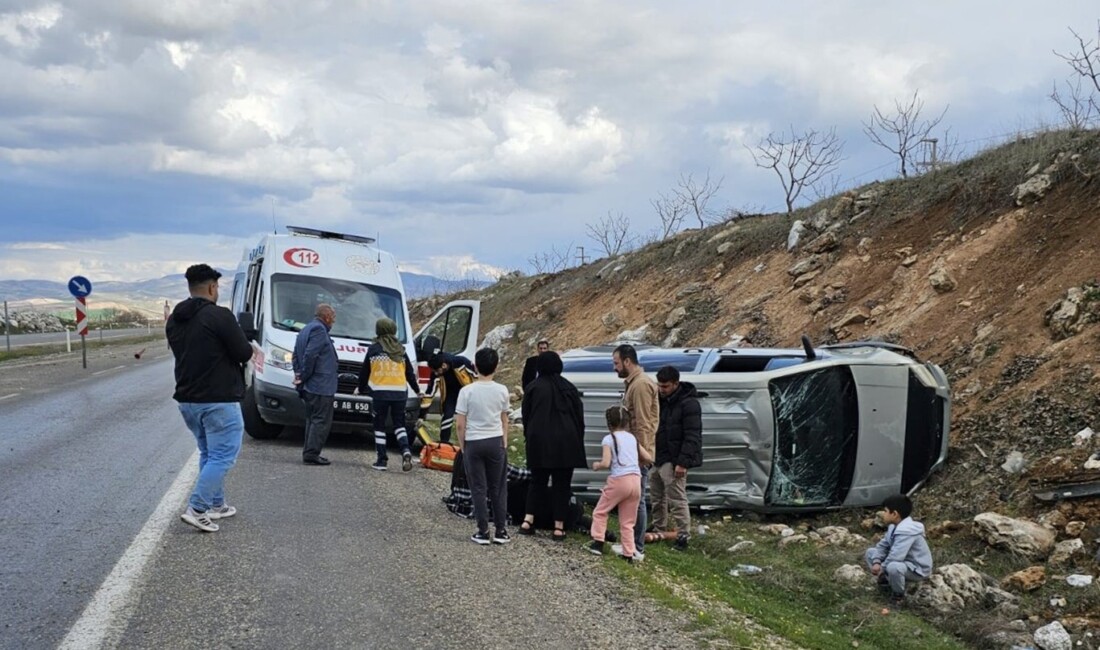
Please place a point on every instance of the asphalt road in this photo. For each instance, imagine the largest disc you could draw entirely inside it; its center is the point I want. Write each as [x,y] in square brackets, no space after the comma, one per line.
[317,557]
[46,338]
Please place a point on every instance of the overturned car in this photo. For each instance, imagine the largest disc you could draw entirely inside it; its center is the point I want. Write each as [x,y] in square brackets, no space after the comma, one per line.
[790,429]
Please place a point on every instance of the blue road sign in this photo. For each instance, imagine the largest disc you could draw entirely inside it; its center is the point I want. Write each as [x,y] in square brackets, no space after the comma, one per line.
[80,286]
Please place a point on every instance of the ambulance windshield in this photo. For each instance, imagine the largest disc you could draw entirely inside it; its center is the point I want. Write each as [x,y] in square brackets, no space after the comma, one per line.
[294,300]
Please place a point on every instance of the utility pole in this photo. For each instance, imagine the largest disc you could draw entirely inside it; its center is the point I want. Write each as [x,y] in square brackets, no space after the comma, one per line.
[930,148]
[581,256]
[7,326]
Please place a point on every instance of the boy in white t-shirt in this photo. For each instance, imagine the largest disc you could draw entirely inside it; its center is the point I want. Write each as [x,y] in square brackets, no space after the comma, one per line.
[621,454]
[481,417]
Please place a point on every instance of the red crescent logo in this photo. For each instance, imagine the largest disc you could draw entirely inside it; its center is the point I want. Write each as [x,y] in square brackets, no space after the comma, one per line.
[302,257]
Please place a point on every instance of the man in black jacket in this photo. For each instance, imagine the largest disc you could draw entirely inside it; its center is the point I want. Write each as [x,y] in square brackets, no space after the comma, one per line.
[452,371]
[679,448]
[209,347]
[531,365]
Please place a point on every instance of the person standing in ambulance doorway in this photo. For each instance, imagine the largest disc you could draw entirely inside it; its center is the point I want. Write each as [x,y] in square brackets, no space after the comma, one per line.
[453,371]
[386,371]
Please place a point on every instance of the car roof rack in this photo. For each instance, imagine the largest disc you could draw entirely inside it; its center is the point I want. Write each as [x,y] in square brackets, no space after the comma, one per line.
[328,234]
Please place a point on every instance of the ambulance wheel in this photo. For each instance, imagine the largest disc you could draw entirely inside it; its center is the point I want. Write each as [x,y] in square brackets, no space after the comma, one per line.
[254,424]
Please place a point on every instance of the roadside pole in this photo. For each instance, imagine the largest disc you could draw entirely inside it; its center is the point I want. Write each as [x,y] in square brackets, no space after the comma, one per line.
[7,326]
[81,288]
[68,341]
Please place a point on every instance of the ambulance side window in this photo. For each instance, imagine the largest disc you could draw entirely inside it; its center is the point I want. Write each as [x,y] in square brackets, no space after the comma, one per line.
[457,328]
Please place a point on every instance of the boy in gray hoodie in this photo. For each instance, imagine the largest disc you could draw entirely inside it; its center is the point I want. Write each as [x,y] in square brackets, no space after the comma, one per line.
[903,553]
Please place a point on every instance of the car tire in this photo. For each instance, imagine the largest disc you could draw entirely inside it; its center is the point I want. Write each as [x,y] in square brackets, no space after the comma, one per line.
[254,424]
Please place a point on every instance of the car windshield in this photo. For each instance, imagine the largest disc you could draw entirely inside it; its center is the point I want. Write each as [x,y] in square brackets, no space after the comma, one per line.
[816,434]
[294,300]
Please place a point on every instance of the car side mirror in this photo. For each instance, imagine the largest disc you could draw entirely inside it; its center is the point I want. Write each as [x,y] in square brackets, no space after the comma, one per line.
[247,321]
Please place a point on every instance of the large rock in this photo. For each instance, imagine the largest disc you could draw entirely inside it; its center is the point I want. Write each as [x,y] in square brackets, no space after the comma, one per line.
[1032,189]
[803,266]
[1064,551]
[951,588]
[795,234]
[637,336]
[851,574]
[1069,315]
[1028,579]
[840,536]
[941,280]
[853,317]
[499,335]
[675,317]
[1053,637]
[32,321]
[1015,535]
[824,243]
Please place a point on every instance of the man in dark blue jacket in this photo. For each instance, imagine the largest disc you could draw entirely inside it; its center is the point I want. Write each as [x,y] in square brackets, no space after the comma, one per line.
[315,370]
[209,347]
[453,371]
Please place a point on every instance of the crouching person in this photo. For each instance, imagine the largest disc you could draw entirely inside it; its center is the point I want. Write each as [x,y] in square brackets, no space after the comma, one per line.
[903,553]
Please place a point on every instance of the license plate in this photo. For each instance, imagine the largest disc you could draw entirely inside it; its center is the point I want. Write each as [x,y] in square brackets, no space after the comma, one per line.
[350,406]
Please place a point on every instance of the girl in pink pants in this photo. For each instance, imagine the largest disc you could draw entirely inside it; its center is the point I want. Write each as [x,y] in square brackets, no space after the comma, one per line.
[621,454]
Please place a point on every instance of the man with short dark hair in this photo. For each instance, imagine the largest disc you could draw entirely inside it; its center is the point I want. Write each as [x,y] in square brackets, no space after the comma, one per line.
[641,399]
[209,348]
[481,418]
[453,371]
[315,376]
[679,447]
[531,365]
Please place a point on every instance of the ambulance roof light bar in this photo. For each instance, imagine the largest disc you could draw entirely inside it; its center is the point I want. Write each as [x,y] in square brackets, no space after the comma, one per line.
[327,234]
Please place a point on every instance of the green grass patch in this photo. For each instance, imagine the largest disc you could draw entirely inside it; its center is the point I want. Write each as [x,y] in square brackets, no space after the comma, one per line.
[795,596]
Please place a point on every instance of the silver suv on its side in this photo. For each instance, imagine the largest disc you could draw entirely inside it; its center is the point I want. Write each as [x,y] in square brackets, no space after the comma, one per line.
[790,429]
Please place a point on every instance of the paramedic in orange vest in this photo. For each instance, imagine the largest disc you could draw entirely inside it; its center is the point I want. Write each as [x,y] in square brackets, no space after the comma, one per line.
[386,371]
[453,371]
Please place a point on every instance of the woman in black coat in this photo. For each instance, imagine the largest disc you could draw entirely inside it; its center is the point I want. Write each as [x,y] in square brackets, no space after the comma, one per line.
[553,425]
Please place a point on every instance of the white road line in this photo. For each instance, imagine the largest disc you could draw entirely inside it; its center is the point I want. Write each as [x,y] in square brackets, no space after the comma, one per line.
[100,372]
[104,619]
[8,396]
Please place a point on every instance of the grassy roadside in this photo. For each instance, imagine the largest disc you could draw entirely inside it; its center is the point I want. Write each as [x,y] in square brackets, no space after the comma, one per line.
[23,352]
[795,596]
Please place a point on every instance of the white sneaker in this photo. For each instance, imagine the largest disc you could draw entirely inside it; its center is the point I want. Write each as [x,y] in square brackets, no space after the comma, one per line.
[200,520]
[617,549]
[221,512]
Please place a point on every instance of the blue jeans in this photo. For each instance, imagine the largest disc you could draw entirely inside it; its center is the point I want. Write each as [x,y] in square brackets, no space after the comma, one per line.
[218,429]
[642,521]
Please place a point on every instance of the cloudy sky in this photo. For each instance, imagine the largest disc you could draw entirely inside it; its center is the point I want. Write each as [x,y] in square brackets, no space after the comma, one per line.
[137,137]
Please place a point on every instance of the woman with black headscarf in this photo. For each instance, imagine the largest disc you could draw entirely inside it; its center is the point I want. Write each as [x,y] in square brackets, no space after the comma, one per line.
[553,424]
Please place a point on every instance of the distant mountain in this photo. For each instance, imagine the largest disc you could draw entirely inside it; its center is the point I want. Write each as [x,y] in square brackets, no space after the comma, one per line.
[149,295]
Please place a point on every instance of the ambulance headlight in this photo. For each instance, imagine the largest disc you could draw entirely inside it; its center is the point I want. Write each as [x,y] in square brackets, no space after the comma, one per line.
[280,358]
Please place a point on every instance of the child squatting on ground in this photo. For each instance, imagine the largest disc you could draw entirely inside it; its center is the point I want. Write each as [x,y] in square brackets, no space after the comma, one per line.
[903,553]
[621,453]
[481,416]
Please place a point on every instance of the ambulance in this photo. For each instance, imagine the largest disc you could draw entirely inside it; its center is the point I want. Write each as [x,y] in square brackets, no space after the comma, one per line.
[276,290]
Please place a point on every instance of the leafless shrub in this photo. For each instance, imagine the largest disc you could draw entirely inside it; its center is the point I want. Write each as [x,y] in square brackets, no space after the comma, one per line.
[671,211]
[800,161]
[1077,106]
[901,133]
[611,234]
[552,261]
[695,196]
[1080,103]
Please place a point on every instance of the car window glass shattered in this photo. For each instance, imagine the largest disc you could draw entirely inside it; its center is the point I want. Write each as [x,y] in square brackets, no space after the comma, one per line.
[816,429]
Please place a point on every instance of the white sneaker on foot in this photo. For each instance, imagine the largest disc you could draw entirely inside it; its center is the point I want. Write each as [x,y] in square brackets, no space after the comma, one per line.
[200,520]
[221,512]
[617,549]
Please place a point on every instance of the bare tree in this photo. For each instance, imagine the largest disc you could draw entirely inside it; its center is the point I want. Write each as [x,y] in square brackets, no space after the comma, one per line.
[695,196]
[612,234]
[800,162]
[552,261]
[1082,104]
[901,132]
[1077,106]
[671,211]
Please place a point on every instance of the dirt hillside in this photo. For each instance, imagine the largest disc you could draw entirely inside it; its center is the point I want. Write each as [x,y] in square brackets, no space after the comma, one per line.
[959,265]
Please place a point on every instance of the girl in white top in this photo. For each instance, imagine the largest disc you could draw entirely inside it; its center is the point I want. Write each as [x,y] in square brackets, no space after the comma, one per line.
[621,454]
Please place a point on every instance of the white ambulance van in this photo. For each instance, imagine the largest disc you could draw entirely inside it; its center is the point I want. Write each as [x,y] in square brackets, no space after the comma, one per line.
[276,290]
